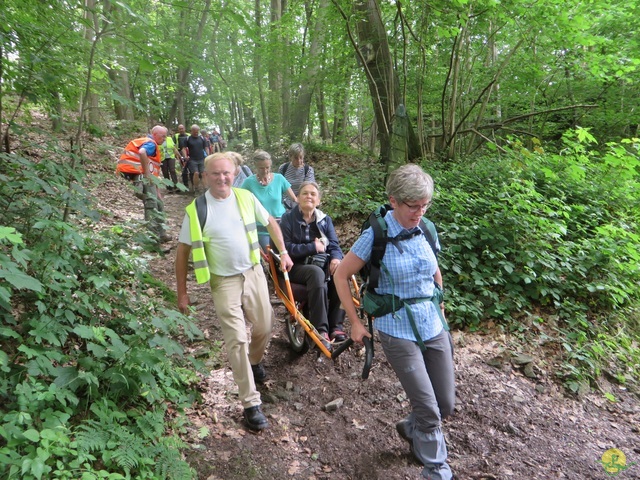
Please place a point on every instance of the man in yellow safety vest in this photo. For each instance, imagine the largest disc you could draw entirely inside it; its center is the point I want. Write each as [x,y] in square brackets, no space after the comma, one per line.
[226,254]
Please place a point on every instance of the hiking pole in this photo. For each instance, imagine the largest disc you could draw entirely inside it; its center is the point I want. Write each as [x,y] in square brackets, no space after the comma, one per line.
[368,356]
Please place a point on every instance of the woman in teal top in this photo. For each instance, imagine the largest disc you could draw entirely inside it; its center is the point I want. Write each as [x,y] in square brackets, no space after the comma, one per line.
[268,188]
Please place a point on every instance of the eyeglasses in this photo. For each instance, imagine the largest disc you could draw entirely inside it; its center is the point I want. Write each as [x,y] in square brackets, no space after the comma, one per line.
[417,208]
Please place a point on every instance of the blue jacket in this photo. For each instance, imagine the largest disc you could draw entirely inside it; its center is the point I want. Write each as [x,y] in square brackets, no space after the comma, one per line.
[292,225]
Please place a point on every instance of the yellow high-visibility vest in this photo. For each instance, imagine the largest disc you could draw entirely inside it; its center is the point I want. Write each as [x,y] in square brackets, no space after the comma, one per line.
[247,211]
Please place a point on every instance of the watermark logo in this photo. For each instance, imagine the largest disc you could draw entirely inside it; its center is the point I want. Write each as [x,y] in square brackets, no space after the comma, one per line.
[614,461]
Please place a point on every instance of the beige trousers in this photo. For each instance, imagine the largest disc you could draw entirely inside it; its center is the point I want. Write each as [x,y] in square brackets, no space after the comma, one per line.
[236,298]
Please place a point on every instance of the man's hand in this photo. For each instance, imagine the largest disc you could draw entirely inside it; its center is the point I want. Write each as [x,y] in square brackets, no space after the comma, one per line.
[285,262]
[320,247]
[183,303]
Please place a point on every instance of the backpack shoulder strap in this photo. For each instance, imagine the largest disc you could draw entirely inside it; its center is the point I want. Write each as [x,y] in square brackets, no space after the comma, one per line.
[380,240]
[429,230]
[201,210]
[246,170]
[306,170]
[284,168]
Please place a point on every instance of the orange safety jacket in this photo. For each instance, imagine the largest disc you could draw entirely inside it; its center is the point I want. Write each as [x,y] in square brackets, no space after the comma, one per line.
[130,160]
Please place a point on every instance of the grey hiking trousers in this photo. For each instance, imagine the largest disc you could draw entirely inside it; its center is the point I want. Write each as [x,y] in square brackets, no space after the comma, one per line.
[428,380]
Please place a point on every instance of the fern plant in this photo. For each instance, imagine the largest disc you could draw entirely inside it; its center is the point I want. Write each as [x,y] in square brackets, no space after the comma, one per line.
[84,382]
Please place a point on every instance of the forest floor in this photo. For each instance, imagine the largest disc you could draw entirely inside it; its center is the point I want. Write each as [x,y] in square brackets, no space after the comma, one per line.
[513,420]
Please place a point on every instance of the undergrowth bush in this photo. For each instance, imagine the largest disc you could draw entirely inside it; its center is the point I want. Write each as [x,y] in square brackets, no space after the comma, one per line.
[350,188]
[91,373]
[553,231]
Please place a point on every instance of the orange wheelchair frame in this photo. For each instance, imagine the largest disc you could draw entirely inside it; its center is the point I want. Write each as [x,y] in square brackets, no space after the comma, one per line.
[298,327]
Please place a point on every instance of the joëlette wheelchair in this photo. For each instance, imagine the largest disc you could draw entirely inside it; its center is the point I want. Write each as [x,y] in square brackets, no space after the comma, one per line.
[301,331]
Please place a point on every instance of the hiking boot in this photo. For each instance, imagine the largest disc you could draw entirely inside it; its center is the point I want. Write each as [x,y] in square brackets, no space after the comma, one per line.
[324,338]
[259,373]
[255,419]
[338,336]
[403,427]
[165,238]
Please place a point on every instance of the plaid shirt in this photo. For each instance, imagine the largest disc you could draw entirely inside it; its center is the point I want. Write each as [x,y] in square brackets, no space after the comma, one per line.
[412,273]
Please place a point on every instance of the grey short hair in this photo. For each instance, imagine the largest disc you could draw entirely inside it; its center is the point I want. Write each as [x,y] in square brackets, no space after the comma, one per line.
[260,156]
[408,183]
[295,150]
[195,126]
[313,184]
[235,158]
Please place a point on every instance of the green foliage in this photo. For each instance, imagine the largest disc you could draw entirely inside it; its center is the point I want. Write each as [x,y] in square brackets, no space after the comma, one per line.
[556,231]
[90,358]
[349,191]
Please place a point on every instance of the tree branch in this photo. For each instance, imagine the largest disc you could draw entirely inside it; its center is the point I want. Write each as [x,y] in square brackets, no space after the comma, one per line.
[499,125]
[487,139]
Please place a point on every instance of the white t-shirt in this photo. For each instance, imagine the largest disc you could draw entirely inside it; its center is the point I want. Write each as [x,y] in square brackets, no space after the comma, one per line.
[227,250]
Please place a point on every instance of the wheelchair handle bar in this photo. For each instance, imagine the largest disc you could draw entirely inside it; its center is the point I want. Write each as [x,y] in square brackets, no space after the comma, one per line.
[368,357]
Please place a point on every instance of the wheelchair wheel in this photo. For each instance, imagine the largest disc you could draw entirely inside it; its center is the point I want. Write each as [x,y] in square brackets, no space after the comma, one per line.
[297,336]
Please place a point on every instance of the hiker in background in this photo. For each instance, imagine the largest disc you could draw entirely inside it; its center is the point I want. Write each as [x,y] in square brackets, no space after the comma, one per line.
[242,171]
[195,150]
[410,272]
[171,154]
[312,242]
[232,268]
[269,188]
[179,139]
[296,172]
[215,139]
[209,148]
[139,163]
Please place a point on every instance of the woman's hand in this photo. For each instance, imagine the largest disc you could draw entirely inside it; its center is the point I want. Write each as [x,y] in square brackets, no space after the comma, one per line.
[320,248]
[358,332]
[333,265]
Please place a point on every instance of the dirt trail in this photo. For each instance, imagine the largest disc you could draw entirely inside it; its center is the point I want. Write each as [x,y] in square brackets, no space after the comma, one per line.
[506,426]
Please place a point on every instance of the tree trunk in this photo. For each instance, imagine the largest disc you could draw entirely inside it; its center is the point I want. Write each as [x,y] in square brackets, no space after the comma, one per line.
[341,113]
[450,123]
[56,112]
[185,70]
[250,117]
[91,103]
[300,115]
[375,57]
[275,104]
[322,115]
[399,137]
[286,84]
[6,147]
[122,103]
[234,117]
[257,68]
[123,100]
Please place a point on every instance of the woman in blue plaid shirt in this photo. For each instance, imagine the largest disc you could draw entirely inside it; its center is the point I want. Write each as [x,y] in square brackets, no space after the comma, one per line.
[411,272]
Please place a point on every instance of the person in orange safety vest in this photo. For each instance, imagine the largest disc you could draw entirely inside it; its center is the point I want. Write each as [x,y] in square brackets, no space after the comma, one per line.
[140,160]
